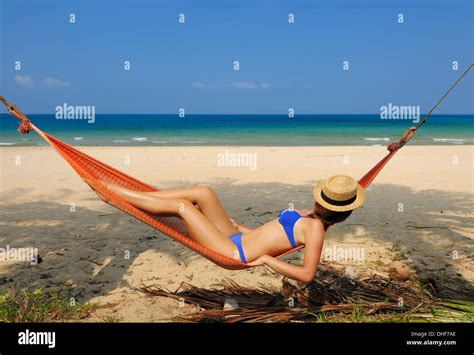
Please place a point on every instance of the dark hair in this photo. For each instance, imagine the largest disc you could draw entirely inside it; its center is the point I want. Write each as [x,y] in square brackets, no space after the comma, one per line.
[330,217]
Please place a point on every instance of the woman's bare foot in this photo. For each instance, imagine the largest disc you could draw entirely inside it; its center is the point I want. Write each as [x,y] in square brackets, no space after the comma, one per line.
[117,189]
[111,186]
[103,197]
[100,195]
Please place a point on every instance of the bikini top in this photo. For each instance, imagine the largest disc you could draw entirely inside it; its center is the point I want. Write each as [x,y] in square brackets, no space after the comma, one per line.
[288,218]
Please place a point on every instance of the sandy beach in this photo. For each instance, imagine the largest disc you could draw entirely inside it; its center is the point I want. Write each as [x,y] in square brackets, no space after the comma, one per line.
[418,210]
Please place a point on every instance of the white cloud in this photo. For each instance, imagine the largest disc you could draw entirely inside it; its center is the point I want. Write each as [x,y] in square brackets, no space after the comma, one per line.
[242,85]
[54,83]
[25,81]
[203,86]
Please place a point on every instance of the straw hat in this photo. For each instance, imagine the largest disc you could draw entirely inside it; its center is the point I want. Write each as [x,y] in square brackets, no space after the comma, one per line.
[339,193]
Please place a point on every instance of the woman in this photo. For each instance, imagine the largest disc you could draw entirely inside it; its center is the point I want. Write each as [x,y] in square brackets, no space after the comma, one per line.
[209,224]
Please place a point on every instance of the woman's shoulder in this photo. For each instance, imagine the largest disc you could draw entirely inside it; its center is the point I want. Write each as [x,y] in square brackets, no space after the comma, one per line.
[312,231]
[314,224]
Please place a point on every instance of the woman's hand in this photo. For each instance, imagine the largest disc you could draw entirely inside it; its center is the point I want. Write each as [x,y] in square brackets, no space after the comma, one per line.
[234,223]
[260,261]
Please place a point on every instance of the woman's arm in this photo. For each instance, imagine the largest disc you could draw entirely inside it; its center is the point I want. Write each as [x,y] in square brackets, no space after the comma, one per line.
[312,254]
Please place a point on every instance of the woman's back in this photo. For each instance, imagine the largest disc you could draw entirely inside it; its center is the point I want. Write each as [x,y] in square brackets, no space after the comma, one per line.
[277,236]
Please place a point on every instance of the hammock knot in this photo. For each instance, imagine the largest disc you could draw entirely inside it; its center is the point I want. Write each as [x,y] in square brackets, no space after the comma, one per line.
[25,126]
[410,132]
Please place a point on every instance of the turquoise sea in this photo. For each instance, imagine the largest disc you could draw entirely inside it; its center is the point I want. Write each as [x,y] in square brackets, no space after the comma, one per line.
[244,130]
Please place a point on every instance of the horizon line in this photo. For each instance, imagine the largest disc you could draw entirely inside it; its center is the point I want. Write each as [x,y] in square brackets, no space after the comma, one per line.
[255,114]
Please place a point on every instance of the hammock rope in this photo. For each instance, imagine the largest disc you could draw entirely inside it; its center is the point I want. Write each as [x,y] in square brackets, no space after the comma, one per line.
[443,97]
[93,171]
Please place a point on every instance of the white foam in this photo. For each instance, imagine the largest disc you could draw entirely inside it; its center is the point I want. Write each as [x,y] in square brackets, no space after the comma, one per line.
[1,143]
[139,139]
[375,139]
[178,141]
[186,141]
[78,138]
[121,141]
[450,140]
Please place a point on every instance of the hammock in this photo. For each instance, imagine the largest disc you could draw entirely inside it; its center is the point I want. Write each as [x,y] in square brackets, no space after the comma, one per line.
[92,171]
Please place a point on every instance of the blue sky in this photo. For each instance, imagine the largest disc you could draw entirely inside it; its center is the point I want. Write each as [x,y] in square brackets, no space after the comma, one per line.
[190,65]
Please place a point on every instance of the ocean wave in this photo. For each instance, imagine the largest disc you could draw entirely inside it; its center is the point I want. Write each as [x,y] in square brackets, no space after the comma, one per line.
[121,141]
[192,142]
[375,139]
[1,143]
[188,140]
[179,141]
[78,138]
[139,139]
[450,140]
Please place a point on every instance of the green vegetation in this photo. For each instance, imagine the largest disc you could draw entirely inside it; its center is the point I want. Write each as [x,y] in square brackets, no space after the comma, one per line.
[41,306]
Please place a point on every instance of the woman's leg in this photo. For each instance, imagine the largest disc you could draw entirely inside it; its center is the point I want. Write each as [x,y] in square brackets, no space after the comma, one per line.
[203,196]
[203,230]
[208,203]
[200,227]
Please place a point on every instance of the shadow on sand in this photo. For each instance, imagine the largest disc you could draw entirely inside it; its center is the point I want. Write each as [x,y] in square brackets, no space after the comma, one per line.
[84,252]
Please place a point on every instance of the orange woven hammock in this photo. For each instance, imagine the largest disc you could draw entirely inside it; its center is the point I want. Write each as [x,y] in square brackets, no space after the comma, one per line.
[92,171]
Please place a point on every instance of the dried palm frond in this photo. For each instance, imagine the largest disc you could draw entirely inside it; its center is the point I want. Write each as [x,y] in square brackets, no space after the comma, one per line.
[332,296]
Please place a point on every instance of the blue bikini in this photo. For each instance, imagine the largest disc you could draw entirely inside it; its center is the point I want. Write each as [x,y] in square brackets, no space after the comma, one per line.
[237,240]
[287,218]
